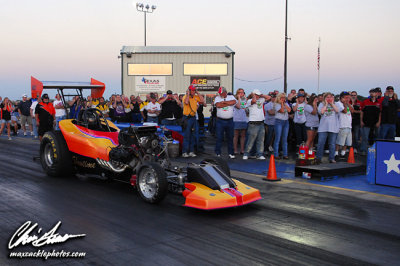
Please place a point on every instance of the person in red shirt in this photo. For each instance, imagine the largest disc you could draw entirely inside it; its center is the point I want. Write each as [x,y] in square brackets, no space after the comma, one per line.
[45,115]
[370,118]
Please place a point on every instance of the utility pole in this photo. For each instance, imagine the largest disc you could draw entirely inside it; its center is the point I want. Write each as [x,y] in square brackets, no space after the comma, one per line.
[319,58]
[285,63]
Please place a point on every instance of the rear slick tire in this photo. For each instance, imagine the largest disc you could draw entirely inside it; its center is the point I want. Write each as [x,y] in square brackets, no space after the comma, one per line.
[152,184]
[54,155]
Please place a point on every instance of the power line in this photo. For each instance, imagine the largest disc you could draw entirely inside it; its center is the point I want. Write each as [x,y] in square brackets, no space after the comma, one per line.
[259,81]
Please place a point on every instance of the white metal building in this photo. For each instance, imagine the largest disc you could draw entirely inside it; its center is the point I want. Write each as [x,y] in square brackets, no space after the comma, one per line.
[146,69]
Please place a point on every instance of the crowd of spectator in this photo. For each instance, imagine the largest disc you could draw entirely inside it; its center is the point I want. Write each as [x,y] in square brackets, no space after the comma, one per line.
[261,124]
[252,126]
[22,114]
[165,110]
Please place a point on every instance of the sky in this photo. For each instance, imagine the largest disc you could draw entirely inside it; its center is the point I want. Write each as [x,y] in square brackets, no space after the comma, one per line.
[75,40]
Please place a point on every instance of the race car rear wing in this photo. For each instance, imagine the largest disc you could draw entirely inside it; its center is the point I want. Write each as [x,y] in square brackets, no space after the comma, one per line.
[74,88]
[97,87]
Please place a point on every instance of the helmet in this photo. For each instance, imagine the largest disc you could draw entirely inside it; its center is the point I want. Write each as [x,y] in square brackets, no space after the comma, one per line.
[45,96]
[91,118]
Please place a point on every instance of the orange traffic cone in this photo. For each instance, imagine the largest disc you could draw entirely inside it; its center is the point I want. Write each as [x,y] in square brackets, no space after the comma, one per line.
[351,156]
[271,176]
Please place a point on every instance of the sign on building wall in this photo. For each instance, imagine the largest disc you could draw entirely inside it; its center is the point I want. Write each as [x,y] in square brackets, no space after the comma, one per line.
[203,83]
[149,84]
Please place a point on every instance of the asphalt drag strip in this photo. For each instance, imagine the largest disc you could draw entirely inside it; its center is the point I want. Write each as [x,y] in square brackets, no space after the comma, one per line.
[294,224]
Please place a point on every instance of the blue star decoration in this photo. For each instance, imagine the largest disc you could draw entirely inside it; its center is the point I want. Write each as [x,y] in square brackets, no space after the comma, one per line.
[392,164]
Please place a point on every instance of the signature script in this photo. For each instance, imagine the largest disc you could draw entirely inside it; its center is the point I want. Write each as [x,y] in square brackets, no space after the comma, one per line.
[24,236]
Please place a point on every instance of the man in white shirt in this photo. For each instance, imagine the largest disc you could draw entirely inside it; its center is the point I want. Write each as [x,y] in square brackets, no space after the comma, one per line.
[269,123]
[33,106]
[344,138]
[255,129]
[60,110]
[225,104]
[153,109]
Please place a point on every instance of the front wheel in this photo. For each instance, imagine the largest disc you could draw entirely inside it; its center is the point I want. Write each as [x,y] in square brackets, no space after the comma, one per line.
[152,183]
[54,154]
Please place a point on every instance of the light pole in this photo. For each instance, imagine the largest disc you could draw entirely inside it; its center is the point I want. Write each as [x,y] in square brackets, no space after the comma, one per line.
[285,63]
[145,9]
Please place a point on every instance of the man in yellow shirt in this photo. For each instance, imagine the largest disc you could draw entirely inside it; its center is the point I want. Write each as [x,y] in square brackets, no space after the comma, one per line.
[191,128]
[103,107]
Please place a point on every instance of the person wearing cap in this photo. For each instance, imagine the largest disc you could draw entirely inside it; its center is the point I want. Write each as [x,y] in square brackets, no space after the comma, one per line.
[282,110]
[344,138]
[240,121]
[25,114]
[294,97]
[299,118]
[189,122]
[255,129]
[153,109]
[171,109]
[390,105]
[269,123]
[224,123]
[45,115]
[370,118]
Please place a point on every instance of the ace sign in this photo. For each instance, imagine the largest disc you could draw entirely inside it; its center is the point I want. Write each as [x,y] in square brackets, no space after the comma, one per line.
[205,83]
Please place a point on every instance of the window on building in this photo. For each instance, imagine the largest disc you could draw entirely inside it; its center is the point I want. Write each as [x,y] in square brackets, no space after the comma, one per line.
[205,69]
[149,69]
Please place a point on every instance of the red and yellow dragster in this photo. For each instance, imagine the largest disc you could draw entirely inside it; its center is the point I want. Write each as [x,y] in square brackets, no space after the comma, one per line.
[91,145]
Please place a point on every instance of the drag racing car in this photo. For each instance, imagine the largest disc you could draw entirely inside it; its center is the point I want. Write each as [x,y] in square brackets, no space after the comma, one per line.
[93,146]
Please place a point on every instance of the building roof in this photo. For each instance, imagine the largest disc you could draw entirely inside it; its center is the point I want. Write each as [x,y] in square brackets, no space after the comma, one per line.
[176,49]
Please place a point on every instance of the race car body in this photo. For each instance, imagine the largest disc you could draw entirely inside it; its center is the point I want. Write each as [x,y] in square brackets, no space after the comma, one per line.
[87,142]
[202,197]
